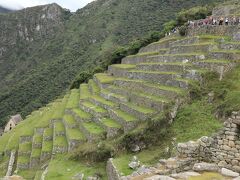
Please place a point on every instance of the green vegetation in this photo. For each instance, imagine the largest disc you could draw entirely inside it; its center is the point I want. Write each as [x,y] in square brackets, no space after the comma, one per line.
[36,153]
[95,108]
[72,47]
[73,99]
[75,134]
[82,114]
[93,128]
[125,116]
[69,119]
[84,92]
[104,78]
[59,172]
[110,123]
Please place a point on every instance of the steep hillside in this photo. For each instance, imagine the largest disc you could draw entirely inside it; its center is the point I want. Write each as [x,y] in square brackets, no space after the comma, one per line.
[4,10]
[50,46]
[129,109]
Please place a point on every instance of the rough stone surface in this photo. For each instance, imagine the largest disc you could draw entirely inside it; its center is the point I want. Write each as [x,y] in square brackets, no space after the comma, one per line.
[200,167]
[159,177]
[227,172]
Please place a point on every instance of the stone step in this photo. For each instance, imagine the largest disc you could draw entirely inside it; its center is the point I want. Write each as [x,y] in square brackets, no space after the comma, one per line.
[120,70]
[156,46]
[35,157]
[92,131]
[69,121]
[23,162]
[93,87]
[155,77]
[127,121]
[152,89]
[231,55]
[112,127]
[74,136]
[47,145]
[103,80]
[116,98]
[80,115]
[219,66]
[229,46]
[173,58]
[138,58]
[25,149]
[73,99]
[196,48]
[140,112]
[164,67]
[139,98]
[94,110]
[84,92]
[60,144]
[196,40]
[102,102]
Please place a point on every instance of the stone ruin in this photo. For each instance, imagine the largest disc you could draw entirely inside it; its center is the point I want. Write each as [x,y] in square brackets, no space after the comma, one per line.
[219,153]
[222,148]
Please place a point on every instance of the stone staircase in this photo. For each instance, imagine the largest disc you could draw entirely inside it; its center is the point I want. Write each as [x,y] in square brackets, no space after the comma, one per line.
[115,102]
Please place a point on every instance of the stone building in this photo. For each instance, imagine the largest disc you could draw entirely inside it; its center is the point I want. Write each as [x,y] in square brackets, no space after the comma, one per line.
[14,121]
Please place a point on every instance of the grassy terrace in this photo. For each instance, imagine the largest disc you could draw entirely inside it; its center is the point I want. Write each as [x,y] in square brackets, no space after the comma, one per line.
[60,141]
[93,128]
[124,66]
[82,114]
[37,138]
[48,132]
[215,61]
[60,108]
[103,101]
[139,108]
[144,54]
[59,127]
[117,96]
[154,72]
[167,63]
[25,147]
[104,78]
[73,99]
[164,40]
[94,86]
[153,85]
[56,170]
[127,117]
[84,92]
[75,134]
[92,106]
[110,123]
[69,119]
[36,152]
[23,159]
[4,166]
[226,51]
[47,146]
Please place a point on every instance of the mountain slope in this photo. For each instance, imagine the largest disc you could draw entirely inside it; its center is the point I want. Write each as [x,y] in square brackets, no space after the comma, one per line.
[39,61]
[4,10]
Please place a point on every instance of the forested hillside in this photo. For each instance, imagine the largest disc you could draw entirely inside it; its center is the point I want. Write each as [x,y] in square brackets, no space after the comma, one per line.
[51,45]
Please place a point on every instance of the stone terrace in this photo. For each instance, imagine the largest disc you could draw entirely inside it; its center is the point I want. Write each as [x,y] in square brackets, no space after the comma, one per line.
[115,102]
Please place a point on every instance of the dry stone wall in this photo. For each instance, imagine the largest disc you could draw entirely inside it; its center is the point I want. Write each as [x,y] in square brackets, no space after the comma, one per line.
[222,149]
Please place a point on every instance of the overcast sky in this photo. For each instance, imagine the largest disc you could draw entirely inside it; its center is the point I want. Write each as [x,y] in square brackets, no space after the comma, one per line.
[73,5]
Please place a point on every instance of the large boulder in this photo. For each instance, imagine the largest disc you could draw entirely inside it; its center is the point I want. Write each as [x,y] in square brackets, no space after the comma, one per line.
[227,172]
[200,167]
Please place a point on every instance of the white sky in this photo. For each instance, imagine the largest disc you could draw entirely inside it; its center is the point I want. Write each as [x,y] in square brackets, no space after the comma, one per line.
[73,5]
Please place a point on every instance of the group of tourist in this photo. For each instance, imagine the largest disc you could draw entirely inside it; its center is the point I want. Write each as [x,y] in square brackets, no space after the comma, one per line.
[215,21]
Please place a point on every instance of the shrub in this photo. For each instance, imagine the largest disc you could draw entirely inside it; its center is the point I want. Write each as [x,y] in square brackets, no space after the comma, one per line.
[93,152]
